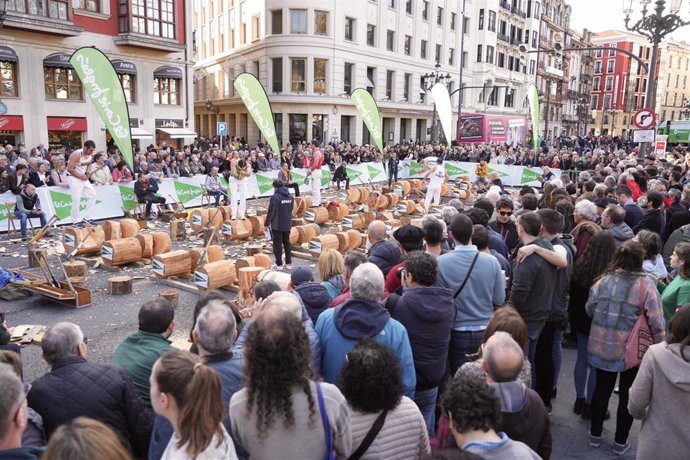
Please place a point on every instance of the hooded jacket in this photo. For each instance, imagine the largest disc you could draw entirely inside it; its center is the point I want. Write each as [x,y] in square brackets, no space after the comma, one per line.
[660,396]
[385,254]
[340,328]
[620,233]
[427,313]
[22,453]
[315,298]
[279,215]
[334,285]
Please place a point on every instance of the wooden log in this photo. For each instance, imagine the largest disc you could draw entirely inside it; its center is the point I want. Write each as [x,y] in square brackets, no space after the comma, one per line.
[386,216]
[215,253]
[36,255]
[363,195]
[405,220]
[171,295]
[215,217]
[444,189]
[418,209]
[337,213]
[178,232]
[146,242]
[299,206]
[417,184]
[392,200]
[405,206]
[198,219]
[91,237]
[243,262]
[368,217]
[343,241]
[262,260]
[121,252]
[210,236]
[78,281]
[294,235]
[281,278]
[226,212]
[129,228]
[406,187]
[120,285]
[354,221]
[323,242]
[257,225]
[253,249]
[172,263]
[247,278]
[161,243]
[75,268]
[382,203]
[308,201]
[318,215]
[353,196]
[195,254]
[143,224]
[237,229]
[306,233]
[214,275]
[111,229]
[296,221]
[355,239]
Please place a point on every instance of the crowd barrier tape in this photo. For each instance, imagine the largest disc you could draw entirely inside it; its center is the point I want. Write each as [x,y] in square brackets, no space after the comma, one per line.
[112,199]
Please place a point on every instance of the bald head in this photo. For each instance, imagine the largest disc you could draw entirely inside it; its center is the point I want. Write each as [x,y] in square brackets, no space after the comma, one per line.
[503,358]
[376,231]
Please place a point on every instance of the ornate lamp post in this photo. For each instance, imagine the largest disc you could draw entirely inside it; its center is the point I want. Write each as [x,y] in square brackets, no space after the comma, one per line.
[430,79]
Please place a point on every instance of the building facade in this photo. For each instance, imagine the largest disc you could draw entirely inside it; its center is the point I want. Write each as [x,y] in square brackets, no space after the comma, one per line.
[580,66]
[149,44]
[674,84]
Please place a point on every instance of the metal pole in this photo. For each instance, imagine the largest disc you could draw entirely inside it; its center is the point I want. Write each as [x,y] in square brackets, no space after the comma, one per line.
[462,54]
[433,126]
[650,95]
[548,106]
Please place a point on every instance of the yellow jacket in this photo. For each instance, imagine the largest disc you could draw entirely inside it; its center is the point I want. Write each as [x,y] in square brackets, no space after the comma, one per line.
[481,171]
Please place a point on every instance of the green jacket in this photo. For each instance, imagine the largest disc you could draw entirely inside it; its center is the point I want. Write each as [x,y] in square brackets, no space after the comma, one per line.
[137,354]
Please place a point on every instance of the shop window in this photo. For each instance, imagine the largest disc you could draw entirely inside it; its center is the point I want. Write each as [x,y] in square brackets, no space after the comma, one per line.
[166,91]
[89,5]
[62,83]
[148,17]
[129,85]
[298,75]
[8,79]
[320,75]
[56,9]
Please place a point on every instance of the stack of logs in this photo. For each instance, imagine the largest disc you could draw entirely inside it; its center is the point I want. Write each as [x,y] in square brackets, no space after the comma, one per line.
[124,244]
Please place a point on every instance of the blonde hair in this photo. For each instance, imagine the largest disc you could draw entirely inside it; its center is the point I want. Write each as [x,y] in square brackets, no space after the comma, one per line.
[331,263]
[85,439]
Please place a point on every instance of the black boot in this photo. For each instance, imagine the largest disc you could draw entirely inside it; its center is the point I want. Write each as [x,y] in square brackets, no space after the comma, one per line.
[579,403]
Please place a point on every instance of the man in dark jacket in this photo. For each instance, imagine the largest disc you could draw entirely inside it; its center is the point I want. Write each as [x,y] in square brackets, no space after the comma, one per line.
[75,387]
[383,253]
[137,353]
[504,224]
[410,238]
[613,222]
[481,214]
[653,218]
[279,220]
[19,179]
[633,213]
[13,418]
[28,206]
[427,312]
[145,190]
[315,297]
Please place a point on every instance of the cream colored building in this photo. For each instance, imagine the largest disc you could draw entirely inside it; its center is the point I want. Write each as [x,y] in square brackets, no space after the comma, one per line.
[674,84]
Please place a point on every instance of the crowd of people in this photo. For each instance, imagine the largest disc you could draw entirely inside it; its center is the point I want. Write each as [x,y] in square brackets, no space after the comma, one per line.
[442,340]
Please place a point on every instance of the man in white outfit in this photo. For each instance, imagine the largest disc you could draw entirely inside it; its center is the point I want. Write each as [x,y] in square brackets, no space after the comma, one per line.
[437,176]
[79,185]
[240,170]
[315,163]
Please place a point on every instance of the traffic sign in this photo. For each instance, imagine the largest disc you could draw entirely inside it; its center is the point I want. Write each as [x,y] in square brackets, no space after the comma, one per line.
[660,147]
[3,109]
[644,119]
[643,135]
[222,128]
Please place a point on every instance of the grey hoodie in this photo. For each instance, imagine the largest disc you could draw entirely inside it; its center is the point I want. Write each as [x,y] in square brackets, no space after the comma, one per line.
[660,396]
[620,233]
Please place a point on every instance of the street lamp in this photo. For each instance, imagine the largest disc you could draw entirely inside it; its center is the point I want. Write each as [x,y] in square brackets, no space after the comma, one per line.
[655,27]
[429,80]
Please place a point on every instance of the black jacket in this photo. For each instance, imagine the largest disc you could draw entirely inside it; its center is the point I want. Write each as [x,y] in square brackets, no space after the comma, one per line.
[508,232]
[279,216]
[142,192]
[75,388]
[385,255]
[651,220]
[17,189]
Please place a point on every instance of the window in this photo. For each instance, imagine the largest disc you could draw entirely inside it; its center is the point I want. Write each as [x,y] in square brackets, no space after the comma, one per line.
[422,93]
[465,58]
[390,40]
[536,10]
[612,51]
[347,80]
[493,97]
[277,22]
[408,45]
[371,35]
[597,67]
[534,39]
[599,53]
[8,79]
[453,18]
[610,65]
[277,73]
[465,25]
[255,28]
[89,5]
[390,76]
[451,56]
[408,6]
[371,76]
[350,29]
[298,75]
[595,101]
[62,83]
[422,50]
[129,86]
[320,75]
[508,100]
[532,66]
[321,22]
[479,53]
[439,16]
[490,54]
[492,21]
[425,11]
[609,83]
[406,87]
[298,21]
[57,9]
[391,4]
[607,101]
[596,82]
[166,91]
[221,32]
[437,57]
[481,19]
[500,59]
[149,17]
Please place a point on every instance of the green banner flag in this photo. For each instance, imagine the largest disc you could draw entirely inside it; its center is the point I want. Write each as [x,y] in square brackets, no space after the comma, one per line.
[369,111]
[254,97]
[533,99]
[101,83]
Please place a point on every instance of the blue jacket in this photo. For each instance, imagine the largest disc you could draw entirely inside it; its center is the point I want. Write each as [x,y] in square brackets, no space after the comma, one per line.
[427,313]
[279,216]
[385,255]
[334,285]
[315,298]
[484,289]
[340,328]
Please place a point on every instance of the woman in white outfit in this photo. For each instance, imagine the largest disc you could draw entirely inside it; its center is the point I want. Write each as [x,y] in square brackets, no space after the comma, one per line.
[240,170]
[437,176]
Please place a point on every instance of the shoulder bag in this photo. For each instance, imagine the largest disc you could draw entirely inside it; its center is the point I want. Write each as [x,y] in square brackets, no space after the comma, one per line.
[640,340]
[326,424]
[370,436]
[462,286]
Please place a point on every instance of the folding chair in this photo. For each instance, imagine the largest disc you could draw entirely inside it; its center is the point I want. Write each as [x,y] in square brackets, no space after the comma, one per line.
[11,226]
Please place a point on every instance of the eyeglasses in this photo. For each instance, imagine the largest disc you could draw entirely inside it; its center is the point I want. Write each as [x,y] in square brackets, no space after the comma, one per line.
[506,213]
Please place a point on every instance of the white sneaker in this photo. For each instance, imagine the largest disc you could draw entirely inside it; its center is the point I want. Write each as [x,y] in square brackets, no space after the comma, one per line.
[277,267]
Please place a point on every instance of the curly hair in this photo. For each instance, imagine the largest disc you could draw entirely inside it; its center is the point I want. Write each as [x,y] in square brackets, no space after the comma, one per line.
[595,260]
[371,378]
[472,404]
[422,267]
[277,346]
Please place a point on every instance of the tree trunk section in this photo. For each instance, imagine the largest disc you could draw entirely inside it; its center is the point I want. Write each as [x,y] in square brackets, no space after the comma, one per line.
[120,285]
[173,263]
[215,275]
[121,252]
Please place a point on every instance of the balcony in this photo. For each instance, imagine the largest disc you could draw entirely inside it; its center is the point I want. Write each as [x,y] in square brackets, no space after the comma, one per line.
[505,5]
[41,24]
[515,41]
[517,12]
[148,41]
[503,37]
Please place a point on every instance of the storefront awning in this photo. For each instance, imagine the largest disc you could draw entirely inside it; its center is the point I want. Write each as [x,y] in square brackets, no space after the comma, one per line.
[168,72]
[178,133]
[7,54]
[58,60]
[138,133]
[124,66]
[11,123]
[66,124]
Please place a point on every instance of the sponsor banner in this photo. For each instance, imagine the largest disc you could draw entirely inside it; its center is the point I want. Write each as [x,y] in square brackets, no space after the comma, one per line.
[201,280]
[315,246]
[255,100]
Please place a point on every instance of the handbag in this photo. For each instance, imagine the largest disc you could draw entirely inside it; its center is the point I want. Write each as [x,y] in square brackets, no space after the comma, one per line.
[370,436]
[640,340]
[326,424]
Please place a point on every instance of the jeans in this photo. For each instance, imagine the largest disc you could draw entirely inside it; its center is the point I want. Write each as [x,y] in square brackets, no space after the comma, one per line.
[222,191]
[557,356]
[533,332]
[24,216]
[426,401]
[606,381]
[392,175]
[463,343]
[582,367]
[543,368]
[280,240]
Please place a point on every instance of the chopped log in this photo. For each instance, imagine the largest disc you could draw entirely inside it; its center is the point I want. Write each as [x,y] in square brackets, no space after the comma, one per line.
[91,237]
[299,206]
[253,249]
[78,281]
[35,256]
[363,195]
[198,219]
[417,184]
[75,268]
[337,213]
[195,253]
[405,206]
[444,189]
[226,212]
[120,285]
[323,242]
[405,186]
[171,295]
[280,278]
[146,242]
[214,275]
[294,235]
[111,229]
[161,243]
[172,263]
[419,209]
[178,232]
[368,217]
[215,217]
[382,202]
[215,253]
[306,233]
[343,241]
[386,216]
[309,201]
[354,221]
[210,236]
[143,224]
[355,239]
[351,196]
[237,229]
[392,200]
[318,215]
[262,260]
[243,262]
[416,222]
[129,228]
[121,252]
[247,278]
[257,224]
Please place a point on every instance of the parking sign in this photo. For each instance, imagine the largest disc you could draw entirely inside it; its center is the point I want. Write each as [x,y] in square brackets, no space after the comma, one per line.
[222,128]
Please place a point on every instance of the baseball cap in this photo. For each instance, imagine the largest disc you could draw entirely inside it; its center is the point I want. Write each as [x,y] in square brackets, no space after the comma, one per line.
[301,275]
